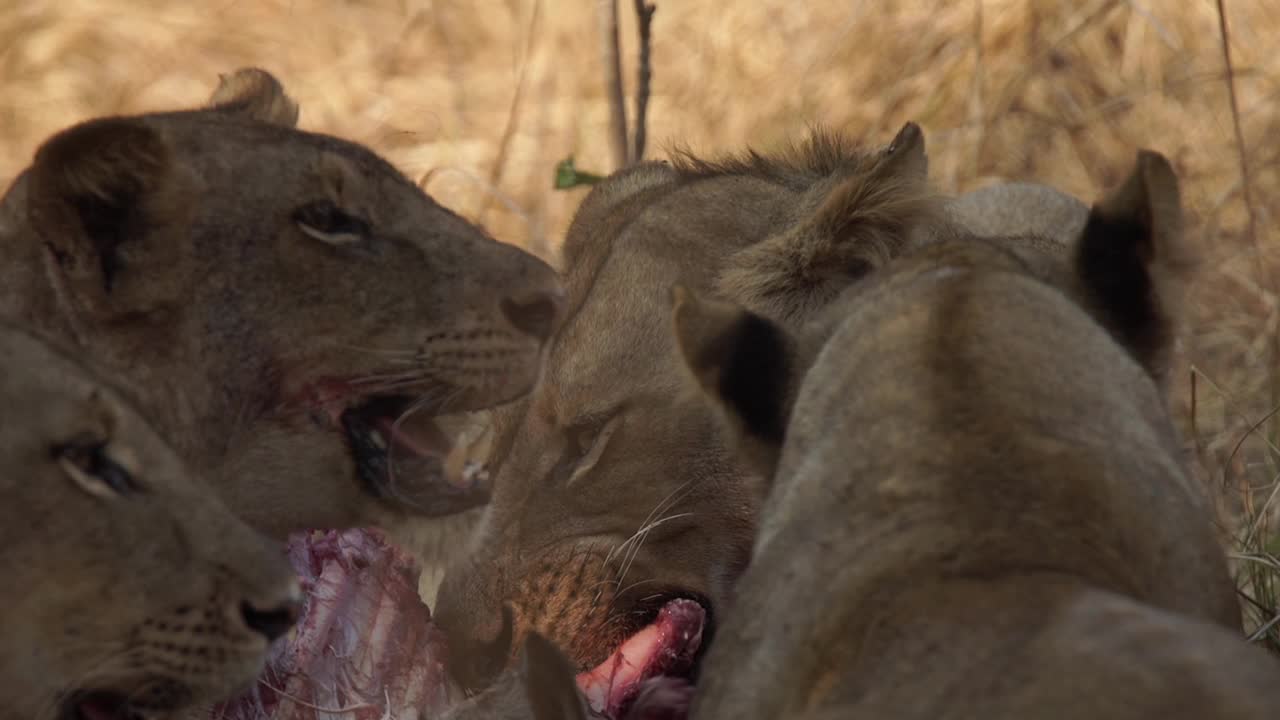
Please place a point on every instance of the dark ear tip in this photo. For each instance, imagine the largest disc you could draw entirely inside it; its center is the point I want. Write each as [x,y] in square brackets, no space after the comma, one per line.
[85,135]
[1147,155]
[908,137]
[543,656]
[1152,158]
[1156,169]
[534,642]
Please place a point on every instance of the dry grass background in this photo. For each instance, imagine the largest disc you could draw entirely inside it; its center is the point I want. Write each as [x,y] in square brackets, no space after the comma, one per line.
[482,98]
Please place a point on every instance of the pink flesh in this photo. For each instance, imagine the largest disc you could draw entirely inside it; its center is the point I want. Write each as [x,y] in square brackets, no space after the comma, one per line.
[365,643]
[667,645]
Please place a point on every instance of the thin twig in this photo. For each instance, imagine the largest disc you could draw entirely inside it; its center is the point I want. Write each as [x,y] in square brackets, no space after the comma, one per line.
[977,102]
[1195,428]
[610,58]
[1252,429]
[513,115]
[1246,189]
[644,77]
[1261,632]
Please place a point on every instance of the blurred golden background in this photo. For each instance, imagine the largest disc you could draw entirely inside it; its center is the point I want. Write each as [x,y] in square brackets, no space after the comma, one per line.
[479,100]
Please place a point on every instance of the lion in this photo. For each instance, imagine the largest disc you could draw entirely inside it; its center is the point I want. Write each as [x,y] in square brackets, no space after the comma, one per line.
[980,506]
[306,325]
[132,590]
[618,508]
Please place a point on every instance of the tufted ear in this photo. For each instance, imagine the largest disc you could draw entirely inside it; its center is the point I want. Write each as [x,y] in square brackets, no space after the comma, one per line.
[1132,258]
[743,363]
[858,222]
[549,681]
[88,200]
[254,94]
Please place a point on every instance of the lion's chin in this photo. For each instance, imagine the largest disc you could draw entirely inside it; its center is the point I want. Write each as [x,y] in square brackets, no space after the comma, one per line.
[648,674]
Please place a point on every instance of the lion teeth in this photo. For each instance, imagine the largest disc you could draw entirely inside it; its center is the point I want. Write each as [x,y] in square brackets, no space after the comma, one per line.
[474,472]
[472,436]
[376,437]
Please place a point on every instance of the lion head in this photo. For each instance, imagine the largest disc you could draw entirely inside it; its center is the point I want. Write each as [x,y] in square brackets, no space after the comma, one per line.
[130,590]
[620,514]
[306,325]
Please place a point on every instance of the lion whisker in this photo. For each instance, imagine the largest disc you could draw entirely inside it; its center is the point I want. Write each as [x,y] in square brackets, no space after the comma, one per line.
[381,352]
[635,550]
[639,537]
[636,584]
[658,509]
[672,498]
[397,376]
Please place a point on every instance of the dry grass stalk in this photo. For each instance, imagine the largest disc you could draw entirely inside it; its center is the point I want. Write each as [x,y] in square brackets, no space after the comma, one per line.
[611,65]
[644,77]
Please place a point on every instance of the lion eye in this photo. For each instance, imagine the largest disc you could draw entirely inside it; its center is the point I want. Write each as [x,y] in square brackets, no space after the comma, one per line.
[87,462]
[583,437]
[585,442]
[327,223]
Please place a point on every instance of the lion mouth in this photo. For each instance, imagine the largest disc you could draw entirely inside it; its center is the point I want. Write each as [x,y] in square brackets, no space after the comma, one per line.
[163,697]
[653,667]
[98,706]
[402,452]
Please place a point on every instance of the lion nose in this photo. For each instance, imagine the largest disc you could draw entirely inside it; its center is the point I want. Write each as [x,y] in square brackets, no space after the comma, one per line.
[274,618]
[536,313]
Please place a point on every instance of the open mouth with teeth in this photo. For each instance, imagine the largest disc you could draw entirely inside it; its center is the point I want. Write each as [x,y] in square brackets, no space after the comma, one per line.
[409,453]
[652,670]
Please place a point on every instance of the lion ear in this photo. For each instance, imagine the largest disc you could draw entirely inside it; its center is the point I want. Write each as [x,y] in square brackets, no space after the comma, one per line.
[549,681]
[89,185]
[860,223]
[742,363]
[1132,259]
[905,156]
[254,94]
